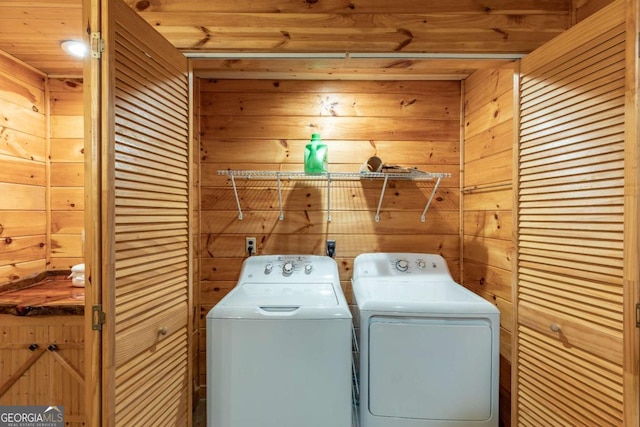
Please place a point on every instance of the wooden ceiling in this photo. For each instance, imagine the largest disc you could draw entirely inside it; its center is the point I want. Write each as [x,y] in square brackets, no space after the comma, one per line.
[403,31]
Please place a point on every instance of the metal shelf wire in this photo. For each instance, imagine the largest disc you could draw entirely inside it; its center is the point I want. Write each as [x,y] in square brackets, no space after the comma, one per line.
[409,175]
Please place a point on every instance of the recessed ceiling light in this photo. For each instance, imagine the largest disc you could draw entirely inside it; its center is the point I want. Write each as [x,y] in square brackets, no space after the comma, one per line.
[74,48]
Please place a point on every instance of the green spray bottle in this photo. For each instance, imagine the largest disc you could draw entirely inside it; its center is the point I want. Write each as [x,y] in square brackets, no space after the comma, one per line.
[315,156]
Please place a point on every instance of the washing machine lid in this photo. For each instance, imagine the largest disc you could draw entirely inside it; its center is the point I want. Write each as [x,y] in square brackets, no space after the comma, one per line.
[266,301]
[418,296]
[283,294]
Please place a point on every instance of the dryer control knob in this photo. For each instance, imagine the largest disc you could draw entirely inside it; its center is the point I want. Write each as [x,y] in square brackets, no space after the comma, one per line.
[308,268]
[402,265]
[268,268]
[421,264]
[287,268]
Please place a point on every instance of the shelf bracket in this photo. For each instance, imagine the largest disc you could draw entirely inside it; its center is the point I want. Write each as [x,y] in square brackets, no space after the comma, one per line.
[433,193]
[281,216]
[235,192]
[384,188]
[328,197]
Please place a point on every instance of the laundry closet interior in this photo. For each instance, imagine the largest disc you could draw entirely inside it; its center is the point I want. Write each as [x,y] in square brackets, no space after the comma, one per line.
[183,134]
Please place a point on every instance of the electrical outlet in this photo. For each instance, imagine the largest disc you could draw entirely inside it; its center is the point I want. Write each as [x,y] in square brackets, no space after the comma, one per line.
[250,245]
[331,248]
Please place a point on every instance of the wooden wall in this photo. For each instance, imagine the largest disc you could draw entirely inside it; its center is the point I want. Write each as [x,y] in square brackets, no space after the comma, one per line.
[23,170]
[582,9]
[488,202]
[264,125]
[67,173]
[195,243]
[41,171]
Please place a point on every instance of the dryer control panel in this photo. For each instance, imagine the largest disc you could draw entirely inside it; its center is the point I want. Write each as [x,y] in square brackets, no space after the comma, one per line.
[405,265]
[400,264]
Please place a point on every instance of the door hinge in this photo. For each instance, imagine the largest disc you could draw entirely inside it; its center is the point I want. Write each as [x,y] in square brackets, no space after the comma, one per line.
[97,45]
[97,317]
[638,315]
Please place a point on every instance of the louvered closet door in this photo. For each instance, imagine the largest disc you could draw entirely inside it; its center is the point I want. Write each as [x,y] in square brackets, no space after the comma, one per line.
[570,219]
[146,227]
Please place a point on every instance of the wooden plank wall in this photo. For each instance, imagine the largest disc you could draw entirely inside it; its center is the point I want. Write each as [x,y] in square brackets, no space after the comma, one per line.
[487,204]
[67,173]
[41,178]
[582,9]
[195,243]
[265,125]
[23,170]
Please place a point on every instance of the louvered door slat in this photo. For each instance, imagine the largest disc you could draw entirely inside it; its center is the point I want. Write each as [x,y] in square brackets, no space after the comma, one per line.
[570,226]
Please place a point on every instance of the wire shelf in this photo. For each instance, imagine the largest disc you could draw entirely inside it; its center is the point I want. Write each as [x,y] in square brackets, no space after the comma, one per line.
[409,174]
[279,176]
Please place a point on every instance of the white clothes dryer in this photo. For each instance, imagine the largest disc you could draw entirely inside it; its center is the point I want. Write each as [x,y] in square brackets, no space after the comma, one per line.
[279,347]
[429,348]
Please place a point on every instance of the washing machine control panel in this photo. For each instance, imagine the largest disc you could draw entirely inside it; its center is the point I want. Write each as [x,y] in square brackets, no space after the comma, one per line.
[290,265]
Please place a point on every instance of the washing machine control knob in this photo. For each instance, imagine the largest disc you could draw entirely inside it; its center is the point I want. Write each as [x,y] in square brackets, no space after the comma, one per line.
[308,268]
[287,268]
[421,264]
[268,268]
[402,265]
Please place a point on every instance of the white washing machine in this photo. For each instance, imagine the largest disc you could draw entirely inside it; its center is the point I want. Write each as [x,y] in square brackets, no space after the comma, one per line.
[429,348]
[279,347]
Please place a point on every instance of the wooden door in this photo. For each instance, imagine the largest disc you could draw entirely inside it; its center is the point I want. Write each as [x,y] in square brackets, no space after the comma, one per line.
[576,344]
[139,243]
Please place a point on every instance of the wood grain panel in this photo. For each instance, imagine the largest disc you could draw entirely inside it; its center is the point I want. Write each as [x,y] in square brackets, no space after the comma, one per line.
[22,119]
[66,191]
[20,270]
[22,223]
[22,145]
[570,212]
[343,197]
[486,143]
[67,246]
[20,92]
[67,199]
[487,199]
[499,165]
[23,171]
[333,104]
[347,222]
[23,249]
[67,174]
[482,278]
[322,87]
[586,8]
[376,26]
